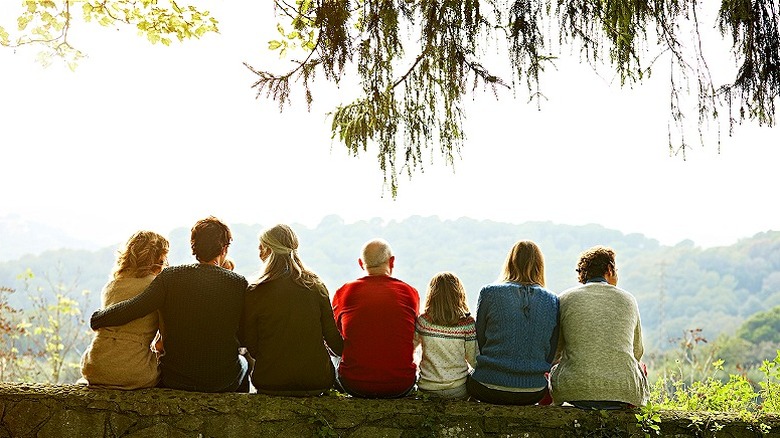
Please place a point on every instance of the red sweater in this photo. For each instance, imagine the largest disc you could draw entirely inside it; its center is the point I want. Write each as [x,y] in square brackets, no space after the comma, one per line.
[376,316]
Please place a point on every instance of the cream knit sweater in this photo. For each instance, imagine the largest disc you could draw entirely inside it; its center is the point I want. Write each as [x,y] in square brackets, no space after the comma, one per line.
[600,347]
[120,357]
[447,353]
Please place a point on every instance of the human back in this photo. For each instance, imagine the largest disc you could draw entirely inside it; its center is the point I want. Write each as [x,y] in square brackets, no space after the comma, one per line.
[288,321]
[446,334]
[376,316]
[601,340]
[517,332]
[120,357]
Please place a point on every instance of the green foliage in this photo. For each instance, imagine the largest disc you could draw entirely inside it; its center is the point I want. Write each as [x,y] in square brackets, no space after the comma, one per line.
[602,427]
[770,386]
[647,420]
[762,327]
[46,24]
[416,61]
[55,329]
[12,330]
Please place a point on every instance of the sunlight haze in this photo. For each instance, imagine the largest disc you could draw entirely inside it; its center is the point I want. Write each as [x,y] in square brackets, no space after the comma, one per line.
[156,137]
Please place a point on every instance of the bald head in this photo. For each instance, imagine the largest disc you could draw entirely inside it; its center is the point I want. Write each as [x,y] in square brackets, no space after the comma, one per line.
[377,257]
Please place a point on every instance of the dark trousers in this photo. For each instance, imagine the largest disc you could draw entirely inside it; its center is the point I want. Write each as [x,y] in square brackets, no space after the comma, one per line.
[498,397]
[343,386]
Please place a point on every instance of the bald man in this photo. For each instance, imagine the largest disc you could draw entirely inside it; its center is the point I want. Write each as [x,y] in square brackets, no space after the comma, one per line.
[375,315]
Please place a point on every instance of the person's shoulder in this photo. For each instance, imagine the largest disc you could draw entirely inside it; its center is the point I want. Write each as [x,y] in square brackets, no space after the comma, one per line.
[467,321]
[495,287]
[580,288]
[235,277]
[402,283]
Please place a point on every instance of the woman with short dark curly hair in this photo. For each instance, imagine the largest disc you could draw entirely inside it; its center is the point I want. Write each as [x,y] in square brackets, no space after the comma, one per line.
[601,340]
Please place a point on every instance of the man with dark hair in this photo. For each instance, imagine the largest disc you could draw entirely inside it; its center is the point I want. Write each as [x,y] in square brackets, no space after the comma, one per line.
[376,316]
[200,305]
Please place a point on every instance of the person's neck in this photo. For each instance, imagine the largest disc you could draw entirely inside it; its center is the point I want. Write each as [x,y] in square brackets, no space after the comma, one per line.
[383,270]
[216,262]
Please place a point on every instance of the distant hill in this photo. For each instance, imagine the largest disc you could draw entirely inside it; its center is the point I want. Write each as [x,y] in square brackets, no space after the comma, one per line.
[678,287]
[20,237]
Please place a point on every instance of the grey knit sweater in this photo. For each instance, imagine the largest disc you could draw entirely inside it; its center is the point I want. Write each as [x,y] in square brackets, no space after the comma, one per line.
[600,347]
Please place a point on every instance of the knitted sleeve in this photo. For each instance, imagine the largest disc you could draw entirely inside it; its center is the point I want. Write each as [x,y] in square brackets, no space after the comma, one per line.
[148,301]
[470,346]
[554,339]
[482,315]
[639,348]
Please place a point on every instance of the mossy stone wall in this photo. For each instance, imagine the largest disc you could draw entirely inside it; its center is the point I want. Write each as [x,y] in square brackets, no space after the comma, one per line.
[77,411]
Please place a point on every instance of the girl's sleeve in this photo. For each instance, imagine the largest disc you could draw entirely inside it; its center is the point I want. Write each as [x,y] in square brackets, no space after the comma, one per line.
[471,347]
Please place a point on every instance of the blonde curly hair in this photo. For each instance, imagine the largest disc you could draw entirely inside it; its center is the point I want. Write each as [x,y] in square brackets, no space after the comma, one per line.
[144,253]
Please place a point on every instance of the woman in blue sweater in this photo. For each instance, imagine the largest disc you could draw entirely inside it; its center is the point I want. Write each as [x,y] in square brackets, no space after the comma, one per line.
[517,332]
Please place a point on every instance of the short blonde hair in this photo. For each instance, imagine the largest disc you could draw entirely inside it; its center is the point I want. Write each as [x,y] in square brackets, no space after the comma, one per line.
[524,264]
[446,301]
[143,254]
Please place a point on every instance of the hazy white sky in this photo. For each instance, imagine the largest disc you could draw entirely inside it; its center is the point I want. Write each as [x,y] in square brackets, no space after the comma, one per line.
[144,136]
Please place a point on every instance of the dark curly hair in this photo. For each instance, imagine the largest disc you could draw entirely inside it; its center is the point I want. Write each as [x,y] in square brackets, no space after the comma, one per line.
[595,262]
[208,238]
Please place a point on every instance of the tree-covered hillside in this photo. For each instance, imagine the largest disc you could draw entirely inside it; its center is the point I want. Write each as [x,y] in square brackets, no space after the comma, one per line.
[678,288]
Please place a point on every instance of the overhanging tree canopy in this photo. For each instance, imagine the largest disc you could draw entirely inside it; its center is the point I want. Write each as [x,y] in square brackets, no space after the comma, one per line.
[416,60]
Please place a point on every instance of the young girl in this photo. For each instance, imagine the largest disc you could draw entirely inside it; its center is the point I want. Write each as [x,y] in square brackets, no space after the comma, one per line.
[448,337]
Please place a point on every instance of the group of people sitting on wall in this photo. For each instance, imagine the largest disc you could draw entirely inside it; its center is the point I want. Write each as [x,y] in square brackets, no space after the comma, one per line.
[202,327]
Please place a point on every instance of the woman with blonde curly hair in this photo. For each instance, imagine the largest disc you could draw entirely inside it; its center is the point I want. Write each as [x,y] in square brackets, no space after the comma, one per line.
[120,357]
[288,322]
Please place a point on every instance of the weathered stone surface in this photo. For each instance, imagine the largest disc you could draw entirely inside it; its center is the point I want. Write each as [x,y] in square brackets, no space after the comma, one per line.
[189,423]
[376,432]
[72,410]
[460,429]
[161,430]
[25,417]
[73,423]
[119,423]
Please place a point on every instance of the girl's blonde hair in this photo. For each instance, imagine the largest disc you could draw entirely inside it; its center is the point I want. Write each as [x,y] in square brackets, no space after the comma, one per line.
[283,243]
[446,300]
[524,264]
[143,254]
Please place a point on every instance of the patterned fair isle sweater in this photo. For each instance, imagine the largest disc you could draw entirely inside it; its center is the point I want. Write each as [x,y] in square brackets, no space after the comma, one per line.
[447,352]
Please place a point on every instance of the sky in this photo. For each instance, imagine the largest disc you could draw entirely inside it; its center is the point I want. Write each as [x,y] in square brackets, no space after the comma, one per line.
[155,137]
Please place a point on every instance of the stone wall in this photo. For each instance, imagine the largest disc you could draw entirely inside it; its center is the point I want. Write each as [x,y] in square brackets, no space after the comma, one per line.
[78,411]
